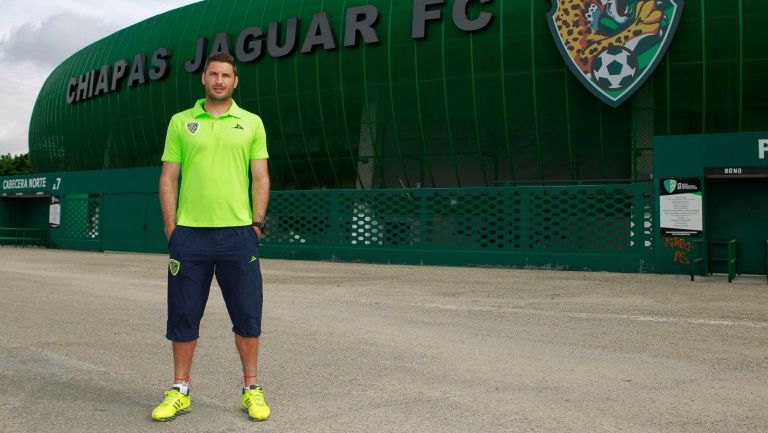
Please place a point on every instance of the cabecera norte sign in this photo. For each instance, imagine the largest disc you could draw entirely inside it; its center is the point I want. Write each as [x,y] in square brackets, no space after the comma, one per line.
[359,23]
[613,46]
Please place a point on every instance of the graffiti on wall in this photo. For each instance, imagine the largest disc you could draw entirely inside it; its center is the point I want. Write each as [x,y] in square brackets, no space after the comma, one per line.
[681,247]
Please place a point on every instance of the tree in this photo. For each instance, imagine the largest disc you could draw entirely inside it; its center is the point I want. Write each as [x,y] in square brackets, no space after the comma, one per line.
[13,165]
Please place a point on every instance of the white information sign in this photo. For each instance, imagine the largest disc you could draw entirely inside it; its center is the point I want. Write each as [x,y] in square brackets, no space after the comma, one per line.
[681,207]
[54,215]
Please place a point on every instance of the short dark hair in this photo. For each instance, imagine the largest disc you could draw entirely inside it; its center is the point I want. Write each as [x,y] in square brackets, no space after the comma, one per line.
[223,58]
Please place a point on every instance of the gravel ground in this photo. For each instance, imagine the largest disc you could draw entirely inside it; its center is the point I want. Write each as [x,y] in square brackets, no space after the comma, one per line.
[384,348]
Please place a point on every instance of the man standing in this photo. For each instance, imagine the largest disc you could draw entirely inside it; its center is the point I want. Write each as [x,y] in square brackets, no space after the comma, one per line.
[213,227]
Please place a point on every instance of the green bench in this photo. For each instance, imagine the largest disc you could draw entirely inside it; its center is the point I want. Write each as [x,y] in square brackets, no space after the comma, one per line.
[23,237]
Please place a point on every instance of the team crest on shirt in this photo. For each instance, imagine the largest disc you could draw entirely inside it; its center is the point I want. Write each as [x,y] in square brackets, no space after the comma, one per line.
[192,127]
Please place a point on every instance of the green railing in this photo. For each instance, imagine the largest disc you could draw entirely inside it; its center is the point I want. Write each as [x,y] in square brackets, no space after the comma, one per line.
[698,264]
[728,253]
[597,227]
[23,237]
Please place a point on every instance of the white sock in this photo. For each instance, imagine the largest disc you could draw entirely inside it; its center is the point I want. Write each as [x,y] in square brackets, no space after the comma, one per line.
[182,387]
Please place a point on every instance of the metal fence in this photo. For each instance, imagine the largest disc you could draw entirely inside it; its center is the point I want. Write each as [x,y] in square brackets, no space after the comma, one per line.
[606,227]
[23,237]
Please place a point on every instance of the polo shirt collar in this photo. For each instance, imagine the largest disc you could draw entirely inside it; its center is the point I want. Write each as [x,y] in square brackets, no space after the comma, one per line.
[234,110]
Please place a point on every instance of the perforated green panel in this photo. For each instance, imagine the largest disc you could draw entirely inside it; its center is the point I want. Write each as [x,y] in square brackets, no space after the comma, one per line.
[81,217]
[381,219]
[538,225]
[302,219]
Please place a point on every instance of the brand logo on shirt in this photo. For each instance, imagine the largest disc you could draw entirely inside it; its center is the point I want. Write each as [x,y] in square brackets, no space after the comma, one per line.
[237,126]
[192,127]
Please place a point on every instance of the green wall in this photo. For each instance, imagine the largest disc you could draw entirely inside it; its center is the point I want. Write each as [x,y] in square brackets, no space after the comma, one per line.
[34,213]
[455,109]
[8,215]
[715,160]
[94,212]
[611,227]
[578,227]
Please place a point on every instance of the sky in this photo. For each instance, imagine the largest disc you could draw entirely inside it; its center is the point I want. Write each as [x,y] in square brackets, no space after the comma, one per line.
[37,35]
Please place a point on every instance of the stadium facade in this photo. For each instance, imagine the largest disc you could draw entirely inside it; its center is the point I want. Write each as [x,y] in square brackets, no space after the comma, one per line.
[573,134]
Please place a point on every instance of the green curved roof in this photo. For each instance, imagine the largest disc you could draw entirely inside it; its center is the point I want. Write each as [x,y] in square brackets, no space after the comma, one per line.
[455,108]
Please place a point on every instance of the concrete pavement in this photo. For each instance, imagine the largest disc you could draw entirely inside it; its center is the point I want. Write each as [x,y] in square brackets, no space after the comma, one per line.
[372,348]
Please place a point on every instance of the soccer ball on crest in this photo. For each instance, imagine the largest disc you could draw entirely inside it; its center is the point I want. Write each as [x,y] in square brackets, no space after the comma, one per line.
[614,68]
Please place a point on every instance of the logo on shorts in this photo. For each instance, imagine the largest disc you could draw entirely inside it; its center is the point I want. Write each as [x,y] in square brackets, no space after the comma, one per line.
[174,266]
[253,259]
[192,127]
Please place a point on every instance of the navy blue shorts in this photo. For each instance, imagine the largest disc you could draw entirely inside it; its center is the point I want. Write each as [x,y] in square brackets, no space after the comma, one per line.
[196,254]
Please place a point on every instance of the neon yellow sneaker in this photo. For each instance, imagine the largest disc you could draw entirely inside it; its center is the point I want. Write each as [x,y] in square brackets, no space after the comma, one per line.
[175,403]
[254,403]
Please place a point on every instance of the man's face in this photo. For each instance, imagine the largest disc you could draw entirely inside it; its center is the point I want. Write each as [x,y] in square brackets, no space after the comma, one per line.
[219,80]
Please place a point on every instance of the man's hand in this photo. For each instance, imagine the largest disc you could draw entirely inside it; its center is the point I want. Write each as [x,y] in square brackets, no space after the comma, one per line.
[169,231]
[168,192]
[259,192]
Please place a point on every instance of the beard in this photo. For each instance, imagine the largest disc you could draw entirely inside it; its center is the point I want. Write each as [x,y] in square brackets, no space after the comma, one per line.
[218,97]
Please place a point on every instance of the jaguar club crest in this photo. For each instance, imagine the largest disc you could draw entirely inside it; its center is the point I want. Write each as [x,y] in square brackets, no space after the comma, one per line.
[192,127]
[613,46]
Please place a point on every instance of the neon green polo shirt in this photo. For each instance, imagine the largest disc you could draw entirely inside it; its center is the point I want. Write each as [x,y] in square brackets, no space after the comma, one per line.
[215,155]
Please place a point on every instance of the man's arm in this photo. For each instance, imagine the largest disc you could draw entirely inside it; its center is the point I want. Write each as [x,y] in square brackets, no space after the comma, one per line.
[169,194]
[259,191]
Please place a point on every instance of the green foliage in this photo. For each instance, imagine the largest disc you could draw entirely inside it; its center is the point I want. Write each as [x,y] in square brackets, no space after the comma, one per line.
[12,165]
